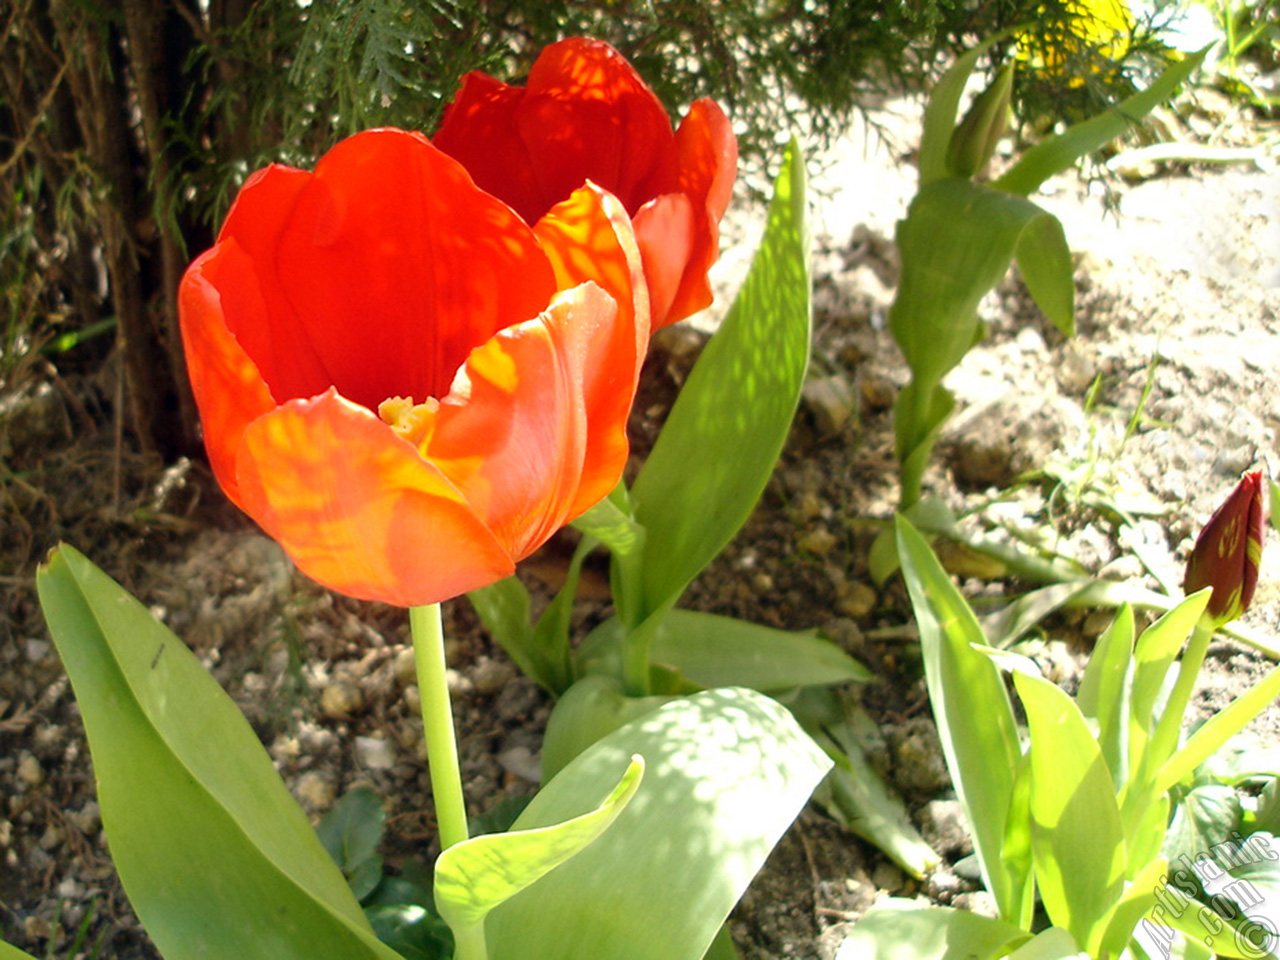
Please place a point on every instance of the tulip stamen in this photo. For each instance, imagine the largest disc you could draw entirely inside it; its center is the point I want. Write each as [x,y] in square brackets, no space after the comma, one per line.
[414,422]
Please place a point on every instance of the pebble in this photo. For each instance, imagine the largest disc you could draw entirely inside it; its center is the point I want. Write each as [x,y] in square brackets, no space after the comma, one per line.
[340,700]
[943,885]
[375,753]
[829,401]
[315,791]
[30,771]
[978,901]
[886,876]
[918,764]
[88,819]
[51,839]
[855,599]
[943,825]
[521,762]
[878,393]
[820,540]
[405,667]
[490,676]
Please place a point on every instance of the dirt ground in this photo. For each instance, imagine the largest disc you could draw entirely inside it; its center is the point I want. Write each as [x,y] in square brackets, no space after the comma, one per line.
[1181,291]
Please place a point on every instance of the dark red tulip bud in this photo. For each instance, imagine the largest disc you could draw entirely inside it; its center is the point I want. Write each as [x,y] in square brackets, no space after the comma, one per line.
[1228,550]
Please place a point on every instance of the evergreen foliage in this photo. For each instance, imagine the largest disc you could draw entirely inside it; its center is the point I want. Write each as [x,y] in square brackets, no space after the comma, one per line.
[126,126]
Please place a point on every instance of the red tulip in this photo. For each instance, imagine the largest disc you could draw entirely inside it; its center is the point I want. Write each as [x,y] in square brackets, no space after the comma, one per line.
[402,381]
[586,115]
[1228,551]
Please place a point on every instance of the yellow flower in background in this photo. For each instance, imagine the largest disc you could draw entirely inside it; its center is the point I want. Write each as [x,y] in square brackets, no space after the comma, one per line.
[1091,30]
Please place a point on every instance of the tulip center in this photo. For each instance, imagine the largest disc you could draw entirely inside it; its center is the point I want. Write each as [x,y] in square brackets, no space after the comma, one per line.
[413,421]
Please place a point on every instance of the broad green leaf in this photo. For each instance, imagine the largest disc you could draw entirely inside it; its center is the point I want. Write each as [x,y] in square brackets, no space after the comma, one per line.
[940,113]
[726,773]
[725,432]
[1219,728]
[1017,850]
[351,832]
[956,244]
[1104,691]
[1052,944]
[9,952]
[972,710]
[716,651]
[592,708]
[1077,835]
[551,634]
[1007,625]
[1139,896]
[1204,818]
[1153,655]
[541,653]
[1057,153]
[216,857]
[475,876]
[899,929]
[611,525]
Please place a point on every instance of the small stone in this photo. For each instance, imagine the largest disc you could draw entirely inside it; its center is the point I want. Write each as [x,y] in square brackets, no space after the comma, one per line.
[829,401]
[71,889]
[520,762]
[943,885]
[315,791]
[806,507]
[375,753]
[51,839]
[413,699]
[820,540]
[490,676]
[888,877]
[855,599]
[918,764]
[406,669]
[30,771]
[943,825]
[88,819]
[878,393]
[978,901]
[37,650]
[340,700]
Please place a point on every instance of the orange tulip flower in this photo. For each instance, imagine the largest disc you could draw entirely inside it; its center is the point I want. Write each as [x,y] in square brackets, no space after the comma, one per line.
[586,115]
[403,382]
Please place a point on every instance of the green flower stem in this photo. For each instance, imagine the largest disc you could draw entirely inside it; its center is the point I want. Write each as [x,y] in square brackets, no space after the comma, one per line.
[437,719]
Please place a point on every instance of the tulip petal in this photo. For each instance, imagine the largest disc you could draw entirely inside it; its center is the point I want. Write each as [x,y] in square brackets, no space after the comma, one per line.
[395,287]
[589,116]
[359,510]
[588,238]
[479,130]
[665,232]
[226,383]
[707,161]
[513,433]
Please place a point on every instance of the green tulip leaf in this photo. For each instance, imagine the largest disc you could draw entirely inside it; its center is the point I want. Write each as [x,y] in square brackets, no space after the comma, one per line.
[541,651]
[1052,944]
[608,523]
[1078,839]
[972,710]
[956,244]
[726,773]
[715,651]
[10,952]
[592,708]
[1218,729]
[1105,688]
[473,877]
[855,793]
[216,857]
[940,113]
[899,929]
[1139,897]
[726,430]
[1057,153]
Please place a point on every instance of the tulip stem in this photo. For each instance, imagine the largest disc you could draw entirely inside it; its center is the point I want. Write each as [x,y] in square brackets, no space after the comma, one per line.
[1164,739]
[437,720]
